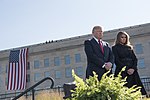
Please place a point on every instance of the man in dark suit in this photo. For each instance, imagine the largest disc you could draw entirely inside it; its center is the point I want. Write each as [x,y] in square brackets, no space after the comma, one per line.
[99,55]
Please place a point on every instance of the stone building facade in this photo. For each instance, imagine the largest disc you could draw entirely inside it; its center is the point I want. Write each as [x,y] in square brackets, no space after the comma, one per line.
[58,58]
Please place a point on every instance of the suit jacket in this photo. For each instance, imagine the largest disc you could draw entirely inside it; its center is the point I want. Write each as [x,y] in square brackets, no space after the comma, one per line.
[95,58]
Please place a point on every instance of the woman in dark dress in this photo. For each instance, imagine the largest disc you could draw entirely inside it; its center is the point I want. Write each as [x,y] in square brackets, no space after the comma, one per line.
[125,56]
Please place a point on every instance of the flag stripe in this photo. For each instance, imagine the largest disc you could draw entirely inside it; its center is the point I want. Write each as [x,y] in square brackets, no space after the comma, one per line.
[21,69]
[25,66]
[14,73]
[20,75]
[17,69]
[16,76]
[9,75]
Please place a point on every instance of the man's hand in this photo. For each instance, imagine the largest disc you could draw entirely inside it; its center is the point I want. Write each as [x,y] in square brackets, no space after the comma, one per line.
[108,65]
[130,71]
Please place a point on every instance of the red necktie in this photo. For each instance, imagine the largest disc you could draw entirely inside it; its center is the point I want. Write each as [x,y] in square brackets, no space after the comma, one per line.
[101,46]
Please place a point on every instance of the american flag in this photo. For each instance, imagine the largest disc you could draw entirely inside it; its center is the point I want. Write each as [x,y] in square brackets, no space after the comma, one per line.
[17,69]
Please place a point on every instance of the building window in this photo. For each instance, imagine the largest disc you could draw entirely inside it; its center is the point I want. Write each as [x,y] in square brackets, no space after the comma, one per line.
[77,58]
[28,77]
[79,71]
[67,59]
[46,62]
[57,74]
[6,80]
[1,82]
[1,69]
[47,74]
[141,63]
[68,72]
[139,48]
[149,45]
[36,64]
[37,77]
[56,61]
[28,65]
[6,68]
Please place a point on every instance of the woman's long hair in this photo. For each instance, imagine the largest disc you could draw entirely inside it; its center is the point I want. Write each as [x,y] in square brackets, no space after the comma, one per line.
[117,41]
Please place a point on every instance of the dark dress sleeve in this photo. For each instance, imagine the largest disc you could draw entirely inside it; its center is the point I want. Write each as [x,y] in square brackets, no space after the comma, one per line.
[134,58]
[118,62]
[111,56]
[91,56]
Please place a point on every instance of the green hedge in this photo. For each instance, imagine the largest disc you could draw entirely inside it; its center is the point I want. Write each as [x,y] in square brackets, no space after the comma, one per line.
[109,88]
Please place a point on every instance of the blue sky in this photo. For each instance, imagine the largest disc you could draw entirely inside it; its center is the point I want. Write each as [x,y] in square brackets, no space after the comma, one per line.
[29,22]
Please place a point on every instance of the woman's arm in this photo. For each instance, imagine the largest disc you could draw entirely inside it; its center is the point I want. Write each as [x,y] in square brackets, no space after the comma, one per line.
[118,62]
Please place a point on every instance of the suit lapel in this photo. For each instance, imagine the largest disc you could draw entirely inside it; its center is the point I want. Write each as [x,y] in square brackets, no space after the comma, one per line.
[106,48]
[104,45]
[96,44]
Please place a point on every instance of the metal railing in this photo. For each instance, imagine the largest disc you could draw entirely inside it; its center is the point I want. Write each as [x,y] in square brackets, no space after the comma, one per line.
[146,83]
[7,96]
[32,88]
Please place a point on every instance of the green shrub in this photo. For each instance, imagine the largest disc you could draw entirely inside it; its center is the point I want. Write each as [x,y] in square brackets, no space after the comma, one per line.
[109,88]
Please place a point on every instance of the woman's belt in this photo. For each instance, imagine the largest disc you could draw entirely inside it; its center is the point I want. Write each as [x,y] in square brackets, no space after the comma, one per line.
[126,59]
